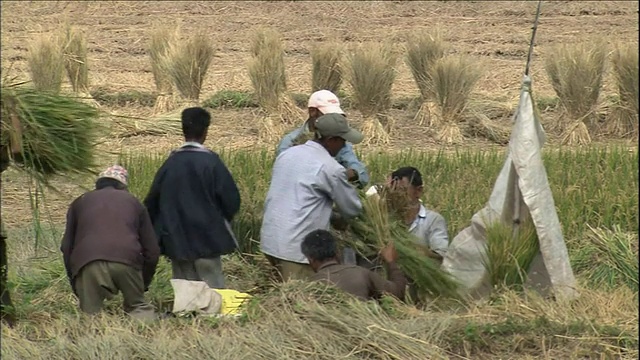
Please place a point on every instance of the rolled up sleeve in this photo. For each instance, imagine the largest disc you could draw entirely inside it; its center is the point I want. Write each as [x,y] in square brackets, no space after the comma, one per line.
[347,158]
[344,195]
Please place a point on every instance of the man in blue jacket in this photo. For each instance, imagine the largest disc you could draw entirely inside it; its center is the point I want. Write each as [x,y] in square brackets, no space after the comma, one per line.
[192,202]
[320,103]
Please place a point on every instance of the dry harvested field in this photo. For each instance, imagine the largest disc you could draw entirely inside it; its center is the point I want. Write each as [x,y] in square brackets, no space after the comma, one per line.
[496,33]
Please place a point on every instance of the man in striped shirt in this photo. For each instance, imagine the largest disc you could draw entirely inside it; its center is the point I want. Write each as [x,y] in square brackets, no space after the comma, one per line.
[306,181]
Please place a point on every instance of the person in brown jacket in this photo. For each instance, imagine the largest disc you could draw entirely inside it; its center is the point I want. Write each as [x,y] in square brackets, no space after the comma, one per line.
[109,245]
[320,248]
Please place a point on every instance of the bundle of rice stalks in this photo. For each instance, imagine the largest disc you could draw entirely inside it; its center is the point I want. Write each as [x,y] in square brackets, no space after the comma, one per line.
[576,73]
[452,81]
[508,258]
[268,77]
[624,120]
[46,63]
[489,119]
[381,222]
[371,75]
[423,50]
[617,258]
[75,62]
[326,67]
[58,132]
[161,125]
[186,63]
[161,39]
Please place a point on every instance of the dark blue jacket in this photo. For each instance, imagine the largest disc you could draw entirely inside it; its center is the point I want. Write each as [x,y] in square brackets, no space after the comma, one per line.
[192,202]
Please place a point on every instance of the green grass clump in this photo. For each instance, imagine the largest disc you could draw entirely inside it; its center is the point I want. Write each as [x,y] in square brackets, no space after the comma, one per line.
[107,97]
[58,132]
[230,99]
[508,258]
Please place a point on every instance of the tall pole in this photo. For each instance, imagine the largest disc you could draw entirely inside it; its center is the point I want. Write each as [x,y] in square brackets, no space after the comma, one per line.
[517,195]
[533,38]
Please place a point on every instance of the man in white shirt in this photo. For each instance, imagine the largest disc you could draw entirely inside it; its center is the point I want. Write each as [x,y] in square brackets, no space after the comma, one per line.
[429,226]
[305,183]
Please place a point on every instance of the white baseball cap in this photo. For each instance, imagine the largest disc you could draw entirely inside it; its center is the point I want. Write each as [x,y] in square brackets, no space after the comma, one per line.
[325,101]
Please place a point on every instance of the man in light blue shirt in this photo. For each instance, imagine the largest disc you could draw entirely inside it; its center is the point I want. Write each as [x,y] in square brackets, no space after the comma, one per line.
[320,103]
[429,226]
[306,181]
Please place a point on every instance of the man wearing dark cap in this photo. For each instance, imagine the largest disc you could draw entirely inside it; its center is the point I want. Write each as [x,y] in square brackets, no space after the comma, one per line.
[305,183]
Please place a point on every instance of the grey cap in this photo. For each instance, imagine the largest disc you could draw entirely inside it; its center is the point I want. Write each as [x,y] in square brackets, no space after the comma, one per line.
[337,125]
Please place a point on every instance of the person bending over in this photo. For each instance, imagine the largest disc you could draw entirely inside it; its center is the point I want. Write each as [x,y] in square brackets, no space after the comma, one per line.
[319,247]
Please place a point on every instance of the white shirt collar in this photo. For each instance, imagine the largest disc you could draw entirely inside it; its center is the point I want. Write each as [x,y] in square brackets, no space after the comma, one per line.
[192,143]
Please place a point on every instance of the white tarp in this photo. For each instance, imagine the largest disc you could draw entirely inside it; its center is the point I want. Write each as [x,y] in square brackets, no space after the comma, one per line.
[523,167]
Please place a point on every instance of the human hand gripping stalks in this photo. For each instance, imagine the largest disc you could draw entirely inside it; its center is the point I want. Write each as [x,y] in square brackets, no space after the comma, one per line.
[381,223]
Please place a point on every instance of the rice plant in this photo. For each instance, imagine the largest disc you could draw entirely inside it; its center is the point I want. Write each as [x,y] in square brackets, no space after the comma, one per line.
[371,74]
[58,132]
[162,38]
[326,73]
[75,59]
[269,80]
[453,79]
[624,118]
[576,72]
[187,62]
[46,63]
[507,258]
[423,50]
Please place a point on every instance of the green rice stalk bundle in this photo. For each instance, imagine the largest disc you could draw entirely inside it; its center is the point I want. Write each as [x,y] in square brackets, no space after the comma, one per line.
[619,251]
[162,38]
[46,63]
[75,60]
[452,82]
[423,50]
[576,72]
[326,73]
[624,120]
[269,80]
[377,226]
[58,132]
[371,74]
[508,259]
[187,63]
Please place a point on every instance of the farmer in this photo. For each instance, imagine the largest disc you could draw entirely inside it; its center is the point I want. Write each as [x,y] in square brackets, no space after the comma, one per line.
[109,246]
[192,202]
[319,247]
[305,183]
[320,103]
[429,226]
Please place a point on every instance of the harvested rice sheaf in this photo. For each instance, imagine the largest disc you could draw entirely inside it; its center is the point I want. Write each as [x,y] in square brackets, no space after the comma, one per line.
[379,224]
[58,132]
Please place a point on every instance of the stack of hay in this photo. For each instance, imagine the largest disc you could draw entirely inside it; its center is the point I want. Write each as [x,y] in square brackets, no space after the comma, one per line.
[269,80]
[381,223]
[576,72]
[371,74]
